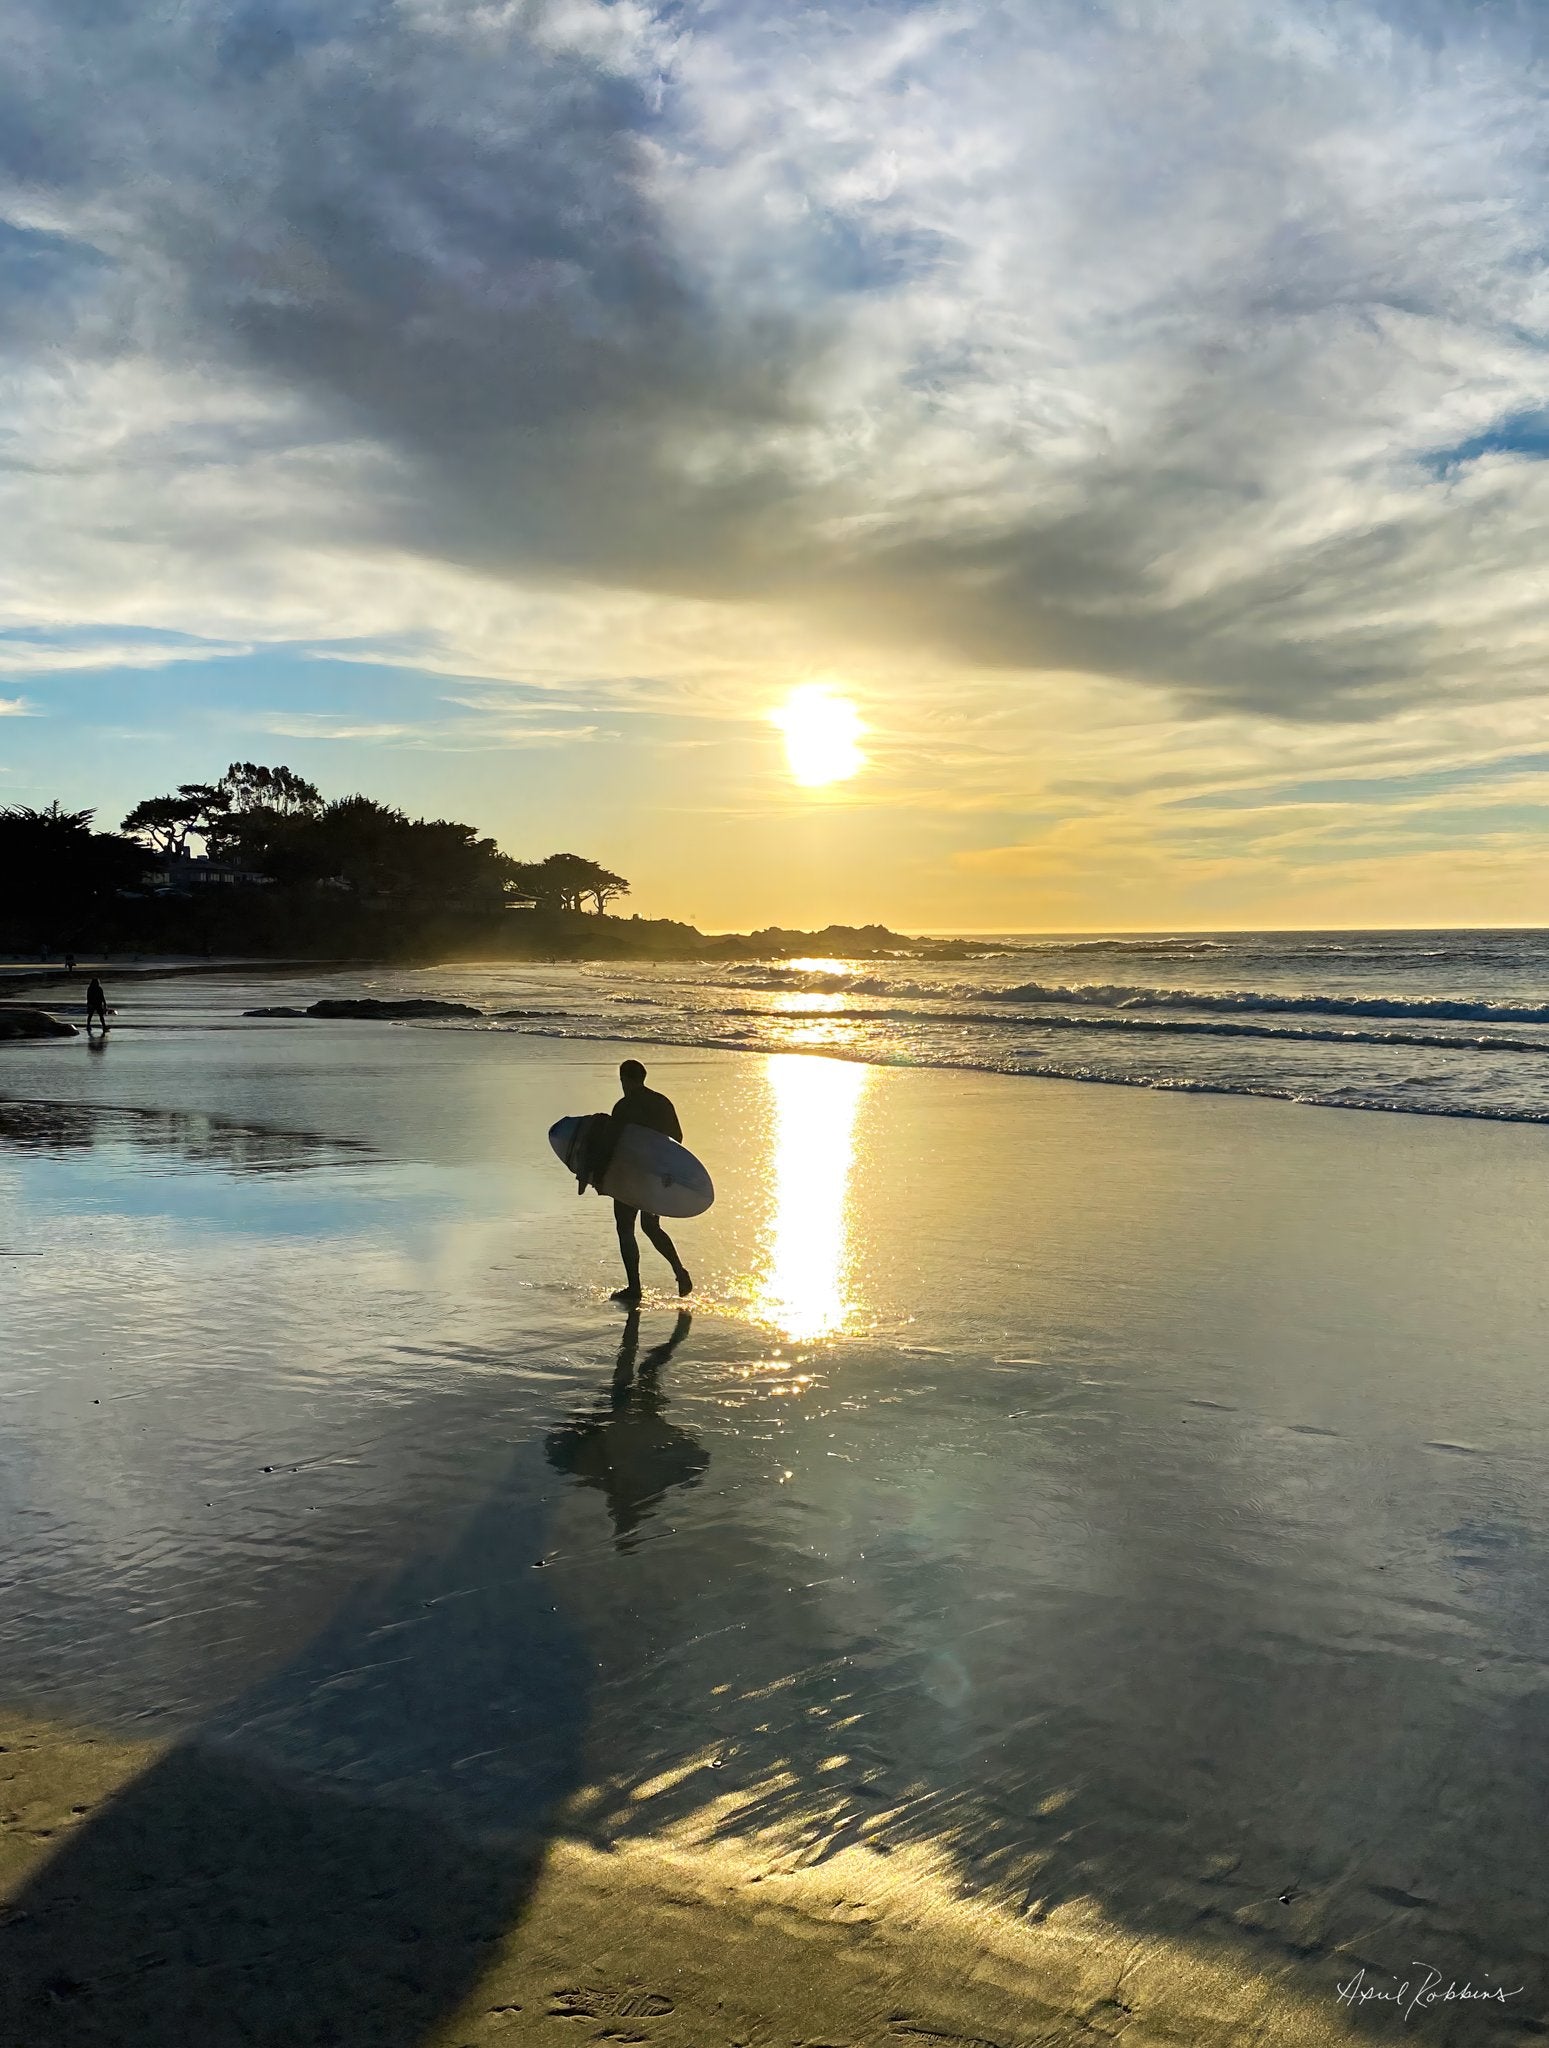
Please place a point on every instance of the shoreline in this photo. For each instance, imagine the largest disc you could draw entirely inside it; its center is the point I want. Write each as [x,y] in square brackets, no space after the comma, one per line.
[42,974]
[579,939]
[1286,1097]
[496,1022]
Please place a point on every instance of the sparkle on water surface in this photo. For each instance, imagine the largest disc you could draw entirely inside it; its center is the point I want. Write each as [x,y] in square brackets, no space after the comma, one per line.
[802,1289]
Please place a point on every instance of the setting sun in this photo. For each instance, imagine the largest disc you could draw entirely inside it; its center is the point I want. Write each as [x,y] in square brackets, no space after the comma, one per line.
[821,735]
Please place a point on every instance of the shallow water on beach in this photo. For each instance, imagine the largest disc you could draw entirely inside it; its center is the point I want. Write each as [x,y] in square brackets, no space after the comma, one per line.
[1126,1498]
[1451,1024]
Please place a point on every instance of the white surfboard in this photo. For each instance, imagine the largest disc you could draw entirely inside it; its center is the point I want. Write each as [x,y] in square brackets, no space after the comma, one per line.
[648,1171]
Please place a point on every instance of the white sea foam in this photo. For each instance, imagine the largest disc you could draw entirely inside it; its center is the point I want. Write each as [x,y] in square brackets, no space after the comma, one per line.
[1439,1023]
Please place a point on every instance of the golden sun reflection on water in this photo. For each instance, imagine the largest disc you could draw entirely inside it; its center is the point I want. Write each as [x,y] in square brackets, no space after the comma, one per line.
[801,1290]
[794,999]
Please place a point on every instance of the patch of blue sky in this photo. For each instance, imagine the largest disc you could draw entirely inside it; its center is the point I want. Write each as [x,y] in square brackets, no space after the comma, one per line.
[257,39]
[1436,24]
[521,762]
[1511,827]
[177,717]
[107,736]
[1350,837]
[19,645]
[847,254]
[1525,434]
[41,260]
[1365,789]
[1475,824]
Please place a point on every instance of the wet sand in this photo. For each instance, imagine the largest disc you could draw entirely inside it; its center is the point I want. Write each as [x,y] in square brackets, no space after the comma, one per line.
[1078,1570]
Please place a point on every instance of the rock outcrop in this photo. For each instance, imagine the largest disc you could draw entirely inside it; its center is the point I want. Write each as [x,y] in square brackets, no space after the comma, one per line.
[18,1022]
[373,1006]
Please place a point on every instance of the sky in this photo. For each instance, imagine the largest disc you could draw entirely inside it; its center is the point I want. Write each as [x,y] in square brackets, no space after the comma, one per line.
[1137,410]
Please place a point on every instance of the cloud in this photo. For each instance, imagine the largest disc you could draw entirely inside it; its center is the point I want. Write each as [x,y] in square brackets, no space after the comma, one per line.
[306,725]
[52,657]
[16,707]
[452,735]
[1199,345]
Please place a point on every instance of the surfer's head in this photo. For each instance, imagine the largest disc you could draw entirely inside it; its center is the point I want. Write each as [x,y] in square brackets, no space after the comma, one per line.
[632,1074]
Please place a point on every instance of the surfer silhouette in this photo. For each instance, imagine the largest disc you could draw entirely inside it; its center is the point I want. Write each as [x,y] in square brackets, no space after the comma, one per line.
[96,1005]
[641,1105]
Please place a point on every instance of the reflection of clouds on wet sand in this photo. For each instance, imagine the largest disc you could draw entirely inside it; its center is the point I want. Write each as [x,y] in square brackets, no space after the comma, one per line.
[180,1137]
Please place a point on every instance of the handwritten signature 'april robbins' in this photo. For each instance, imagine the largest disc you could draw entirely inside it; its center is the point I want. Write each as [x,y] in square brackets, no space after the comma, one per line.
[1414,1995]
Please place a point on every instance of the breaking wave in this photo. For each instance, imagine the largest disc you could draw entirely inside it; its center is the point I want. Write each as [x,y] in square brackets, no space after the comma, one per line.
[1199,1027]
[1121,996]
[1438,1023]
[1132,996]
[1310,1096]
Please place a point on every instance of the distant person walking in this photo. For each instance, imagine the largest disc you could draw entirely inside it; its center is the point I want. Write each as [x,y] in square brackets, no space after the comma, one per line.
[641,1105]
[96,1005]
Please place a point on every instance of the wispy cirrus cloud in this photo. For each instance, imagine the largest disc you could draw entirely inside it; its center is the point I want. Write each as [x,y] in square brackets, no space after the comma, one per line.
[39,657]
[443,734]
[318,725]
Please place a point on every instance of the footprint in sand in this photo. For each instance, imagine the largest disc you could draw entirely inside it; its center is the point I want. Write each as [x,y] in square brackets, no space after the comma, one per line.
[907,2030]
[1391,1895]
[608,2005]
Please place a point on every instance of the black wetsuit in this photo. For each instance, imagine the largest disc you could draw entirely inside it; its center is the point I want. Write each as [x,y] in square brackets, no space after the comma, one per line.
[646,1106]
[96,1004]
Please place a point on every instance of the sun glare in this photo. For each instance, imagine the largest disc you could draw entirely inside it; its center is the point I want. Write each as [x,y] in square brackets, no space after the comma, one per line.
[803,1290]
[822,734]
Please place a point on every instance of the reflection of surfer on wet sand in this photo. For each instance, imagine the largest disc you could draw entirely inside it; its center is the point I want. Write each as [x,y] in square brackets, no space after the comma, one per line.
[624,1446]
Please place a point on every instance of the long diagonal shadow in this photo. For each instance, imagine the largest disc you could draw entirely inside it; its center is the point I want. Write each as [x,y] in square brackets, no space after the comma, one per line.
[327,1862]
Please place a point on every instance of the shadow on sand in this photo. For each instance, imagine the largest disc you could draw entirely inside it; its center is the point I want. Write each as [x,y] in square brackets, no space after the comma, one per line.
[327,1862]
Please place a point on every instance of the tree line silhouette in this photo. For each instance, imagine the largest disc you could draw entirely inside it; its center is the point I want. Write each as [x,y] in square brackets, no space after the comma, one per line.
[260,860]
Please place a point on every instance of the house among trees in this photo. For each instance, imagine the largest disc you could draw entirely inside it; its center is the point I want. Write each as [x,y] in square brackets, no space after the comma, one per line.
[186,874]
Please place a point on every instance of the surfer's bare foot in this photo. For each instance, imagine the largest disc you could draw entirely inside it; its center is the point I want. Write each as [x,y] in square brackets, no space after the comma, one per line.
[630,1296]
[685,1281]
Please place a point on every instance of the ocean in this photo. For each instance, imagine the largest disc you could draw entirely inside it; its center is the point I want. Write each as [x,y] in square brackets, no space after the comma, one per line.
[1447,1023]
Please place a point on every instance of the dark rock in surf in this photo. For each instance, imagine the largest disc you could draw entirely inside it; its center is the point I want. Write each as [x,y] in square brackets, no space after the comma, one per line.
[374,1006]
[16,1022]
